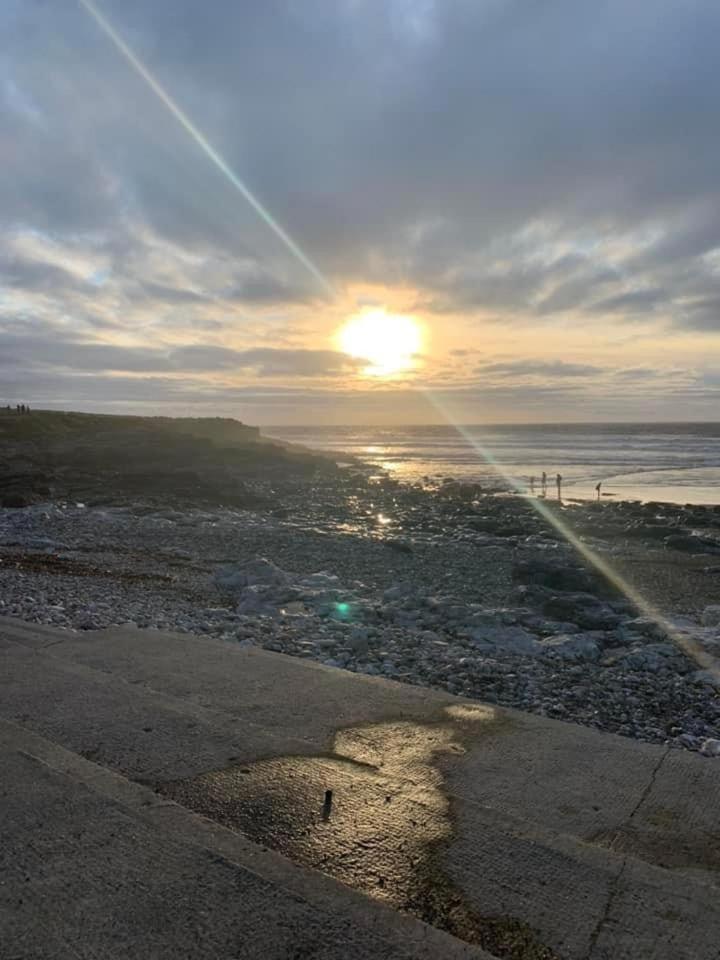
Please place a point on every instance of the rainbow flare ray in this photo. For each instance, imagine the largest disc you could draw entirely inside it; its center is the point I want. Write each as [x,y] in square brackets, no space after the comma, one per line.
[682,638]
[204,144]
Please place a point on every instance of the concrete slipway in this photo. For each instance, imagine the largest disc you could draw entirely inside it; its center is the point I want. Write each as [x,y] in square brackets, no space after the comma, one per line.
[165,796]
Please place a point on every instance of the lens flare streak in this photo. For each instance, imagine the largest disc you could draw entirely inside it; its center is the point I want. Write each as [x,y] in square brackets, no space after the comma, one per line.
[591,557]
[686,642]
[207,148]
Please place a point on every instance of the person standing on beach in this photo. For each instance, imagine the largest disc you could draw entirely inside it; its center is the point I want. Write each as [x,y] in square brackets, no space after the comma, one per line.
[543,483]
[597,489]
[558,481]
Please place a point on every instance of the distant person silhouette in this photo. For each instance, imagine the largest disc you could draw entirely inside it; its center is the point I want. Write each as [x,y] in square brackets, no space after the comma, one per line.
[543,483]
[532,485]
[597,489]
[558,481]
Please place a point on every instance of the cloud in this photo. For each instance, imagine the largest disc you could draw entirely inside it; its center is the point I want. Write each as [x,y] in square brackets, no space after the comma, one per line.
[547,163]
[169,295]
[54,350]
[701,314]
[487,119]
[486,402]
[634,301]
[259,287]
[538,368]
[32,275]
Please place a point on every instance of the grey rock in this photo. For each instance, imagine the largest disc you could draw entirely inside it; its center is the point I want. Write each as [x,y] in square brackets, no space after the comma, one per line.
[250,573]
[582,608]
[572,647]
[646,626]
[399,591]
[710,678]
[651,658]
[711,616]
[505,640]
[691,543]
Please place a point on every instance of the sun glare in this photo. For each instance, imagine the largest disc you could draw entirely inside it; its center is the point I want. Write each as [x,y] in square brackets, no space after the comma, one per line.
[388,342]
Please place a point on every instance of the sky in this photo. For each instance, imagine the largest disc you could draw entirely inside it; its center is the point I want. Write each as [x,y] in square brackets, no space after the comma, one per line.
[194,208]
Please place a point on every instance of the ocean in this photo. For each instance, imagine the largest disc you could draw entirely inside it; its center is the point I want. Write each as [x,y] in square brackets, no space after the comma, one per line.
[672,462]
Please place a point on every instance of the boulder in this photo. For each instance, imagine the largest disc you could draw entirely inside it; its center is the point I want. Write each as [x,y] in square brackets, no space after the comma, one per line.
[647,627]
[692,543]
[400,591]
[460,490]
[575,647]
[650,658]
[250,573]
[322,580]
[711,616]
[584,609]
[502,639]
[557,575]
[257,600]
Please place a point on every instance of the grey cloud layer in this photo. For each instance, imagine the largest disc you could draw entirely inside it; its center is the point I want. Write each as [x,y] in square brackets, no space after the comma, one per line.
[47,349]
[587,398]
[400,141]
[559,160]
[549,369]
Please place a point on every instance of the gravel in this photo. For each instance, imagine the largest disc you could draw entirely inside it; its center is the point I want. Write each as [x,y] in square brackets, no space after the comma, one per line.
[439,599]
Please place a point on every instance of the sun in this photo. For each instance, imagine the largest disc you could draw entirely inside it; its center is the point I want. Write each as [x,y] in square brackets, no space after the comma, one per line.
[388,341]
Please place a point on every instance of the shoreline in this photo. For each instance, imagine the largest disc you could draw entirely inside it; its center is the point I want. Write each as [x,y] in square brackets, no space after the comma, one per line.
[668,495]
[470,593]
[665,463]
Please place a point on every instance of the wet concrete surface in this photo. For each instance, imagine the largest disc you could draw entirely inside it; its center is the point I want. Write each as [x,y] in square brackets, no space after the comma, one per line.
[374,815]
[669,846]
[530,837]
[92,868]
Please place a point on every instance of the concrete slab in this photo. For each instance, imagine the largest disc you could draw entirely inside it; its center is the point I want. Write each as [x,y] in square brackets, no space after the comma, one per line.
[529,837]
[650,914]
[84,877]
[568,778]
[582,901]
[126,727]
[683,837]
[278,693]
[35,635]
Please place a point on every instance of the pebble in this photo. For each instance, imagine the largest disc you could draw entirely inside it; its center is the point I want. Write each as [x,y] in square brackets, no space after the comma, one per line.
[434,616]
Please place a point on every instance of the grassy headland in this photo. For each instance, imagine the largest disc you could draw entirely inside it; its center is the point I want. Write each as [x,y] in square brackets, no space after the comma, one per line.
[105,458]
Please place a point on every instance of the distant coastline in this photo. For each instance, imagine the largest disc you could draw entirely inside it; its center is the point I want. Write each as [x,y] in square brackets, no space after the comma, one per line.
[668,462]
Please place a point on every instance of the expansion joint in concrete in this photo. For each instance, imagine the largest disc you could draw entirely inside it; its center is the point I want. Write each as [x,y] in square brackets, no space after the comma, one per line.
[615,883]
[650,784]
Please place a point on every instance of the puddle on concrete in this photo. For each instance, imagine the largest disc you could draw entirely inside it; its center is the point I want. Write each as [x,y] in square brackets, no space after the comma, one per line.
[385,828]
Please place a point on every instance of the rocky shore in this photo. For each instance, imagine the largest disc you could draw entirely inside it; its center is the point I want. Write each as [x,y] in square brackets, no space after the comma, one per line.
[444,585]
